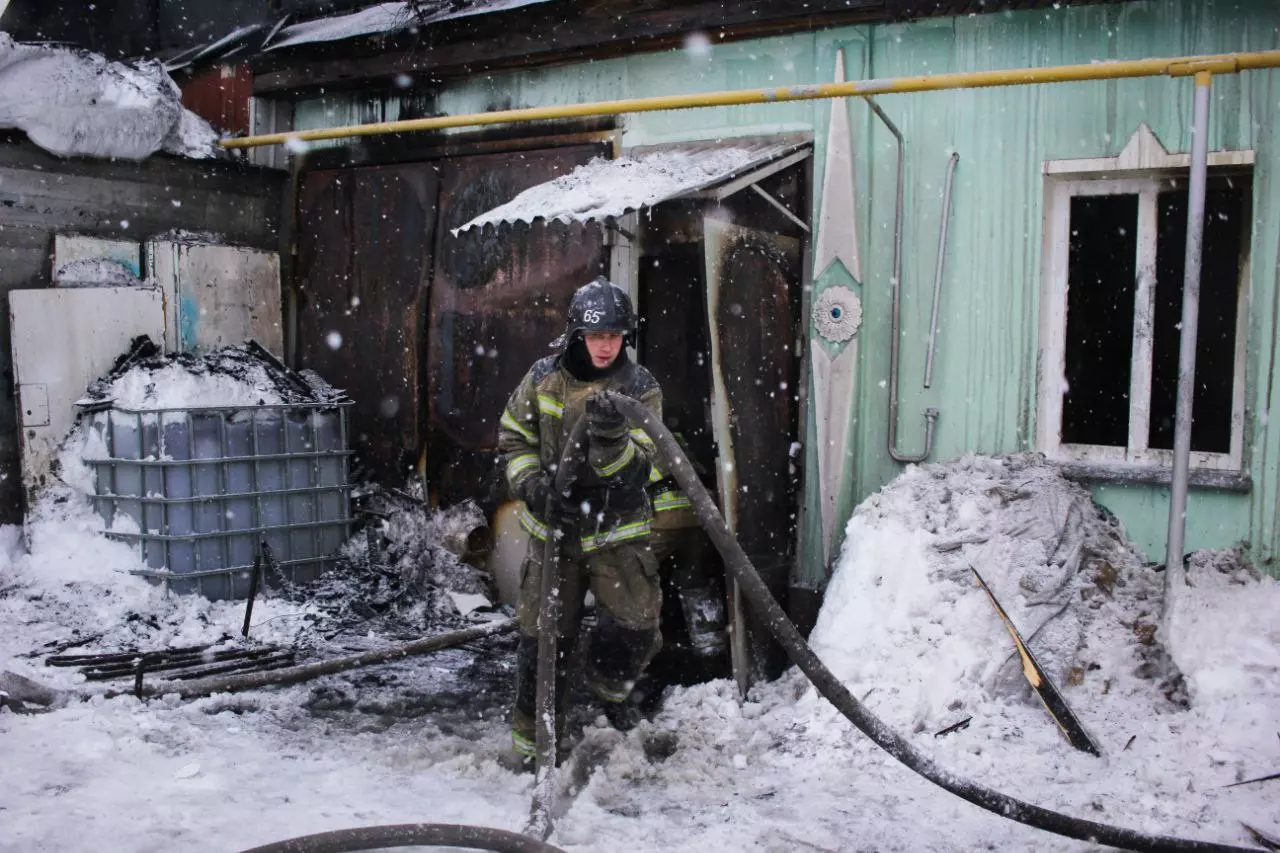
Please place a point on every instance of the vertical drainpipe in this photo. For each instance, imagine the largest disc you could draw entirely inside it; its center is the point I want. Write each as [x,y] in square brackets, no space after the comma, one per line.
[1174,572]
[895,324]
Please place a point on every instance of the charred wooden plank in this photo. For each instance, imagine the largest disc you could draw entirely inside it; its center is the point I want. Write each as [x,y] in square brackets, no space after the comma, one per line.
[256,664]
[159,663]
[126,656]
[1039,680]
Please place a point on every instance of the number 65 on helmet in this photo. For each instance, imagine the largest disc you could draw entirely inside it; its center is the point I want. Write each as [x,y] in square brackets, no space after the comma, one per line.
[599,306]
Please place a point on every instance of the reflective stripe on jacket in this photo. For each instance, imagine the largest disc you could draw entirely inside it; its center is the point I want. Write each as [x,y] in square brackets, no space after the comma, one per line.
[541,413]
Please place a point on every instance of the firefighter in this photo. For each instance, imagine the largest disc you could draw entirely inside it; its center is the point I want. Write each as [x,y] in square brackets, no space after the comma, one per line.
[605,519]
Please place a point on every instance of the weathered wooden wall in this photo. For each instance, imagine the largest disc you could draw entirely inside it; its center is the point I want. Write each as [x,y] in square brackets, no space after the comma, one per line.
[42,195]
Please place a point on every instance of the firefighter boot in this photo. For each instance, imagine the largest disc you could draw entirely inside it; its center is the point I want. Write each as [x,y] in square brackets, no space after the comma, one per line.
[704,616]
[523,753]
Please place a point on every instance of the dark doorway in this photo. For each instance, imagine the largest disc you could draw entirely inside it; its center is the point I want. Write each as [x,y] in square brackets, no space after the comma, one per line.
[720,287]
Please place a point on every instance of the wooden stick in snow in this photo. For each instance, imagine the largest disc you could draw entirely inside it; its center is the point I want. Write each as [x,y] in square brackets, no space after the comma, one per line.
[307,671]
[16,690]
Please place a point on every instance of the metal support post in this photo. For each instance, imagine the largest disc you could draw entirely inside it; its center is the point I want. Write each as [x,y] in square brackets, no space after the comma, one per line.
[1174,573]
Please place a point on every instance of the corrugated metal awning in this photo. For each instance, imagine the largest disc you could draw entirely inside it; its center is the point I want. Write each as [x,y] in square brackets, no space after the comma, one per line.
[605,189]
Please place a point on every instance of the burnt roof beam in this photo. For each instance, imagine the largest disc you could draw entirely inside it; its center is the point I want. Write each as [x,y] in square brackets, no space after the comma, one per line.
[565,31]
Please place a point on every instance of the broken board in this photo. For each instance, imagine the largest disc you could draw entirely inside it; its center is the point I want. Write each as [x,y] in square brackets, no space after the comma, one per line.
[1039,681]
[68,248]
[217,296]
[63,339]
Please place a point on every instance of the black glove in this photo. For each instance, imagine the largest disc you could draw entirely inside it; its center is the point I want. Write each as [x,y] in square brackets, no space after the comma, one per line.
[604,421]
[538,489]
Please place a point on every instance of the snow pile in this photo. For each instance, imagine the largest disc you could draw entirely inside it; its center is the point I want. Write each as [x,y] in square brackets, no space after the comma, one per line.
[72,102]
[231,377]
[604,188]
[417,741]
[1225,659]
[96,272]
[904,613]
[178,386]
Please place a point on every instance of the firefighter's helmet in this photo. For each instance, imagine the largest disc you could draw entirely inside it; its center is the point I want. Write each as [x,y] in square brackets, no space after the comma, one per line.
[599,306]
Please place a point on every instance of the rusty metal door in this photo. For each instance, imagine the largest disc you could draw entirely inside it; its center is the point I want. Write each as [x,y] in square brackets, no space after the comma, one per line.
[498,299]
[365,240]
[753,286]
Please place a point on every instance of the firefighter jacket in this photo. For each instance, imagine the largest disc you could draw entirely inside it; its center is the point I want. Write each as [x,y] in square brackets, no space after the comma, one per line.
[541,414]
[672,508]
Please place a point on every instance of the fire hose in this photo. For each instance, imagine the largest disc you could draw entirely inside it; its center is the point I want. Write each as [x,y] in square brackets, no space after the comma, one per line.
[540,824]
[789,637]
[410,835]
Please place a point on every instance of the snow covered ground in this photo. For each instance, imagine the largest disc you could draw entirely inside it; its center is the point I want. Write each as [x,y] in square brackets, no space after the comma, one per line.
[904,626]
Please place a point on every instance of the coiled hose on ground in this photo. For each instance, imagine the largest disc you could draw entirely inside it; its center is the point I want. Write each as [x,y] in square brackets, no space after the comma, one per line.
[846,703]
[410,835]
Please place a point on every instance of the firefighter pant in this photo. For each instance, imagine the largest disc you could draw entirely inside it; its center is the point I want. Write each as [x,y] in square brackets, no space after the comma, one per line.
[624,581]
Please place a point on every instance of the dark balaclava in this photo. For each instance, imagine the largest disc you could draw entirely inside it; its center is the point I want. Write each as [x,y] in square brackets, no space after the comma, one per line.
[577,360]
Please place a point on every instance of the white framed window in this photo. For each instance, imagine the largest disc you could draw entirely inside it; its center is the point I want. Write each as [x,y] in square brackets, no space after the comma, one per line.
[1111,310]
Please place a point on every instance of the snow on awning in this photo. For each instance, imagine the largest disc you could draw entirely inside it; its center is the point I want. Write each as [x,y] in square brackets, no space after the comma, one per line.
[389,18]
[603,189]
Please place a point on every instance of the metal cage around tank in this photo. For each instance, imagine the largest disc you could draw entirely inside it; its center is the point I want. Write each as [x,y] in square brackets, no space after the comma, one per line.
[197,490]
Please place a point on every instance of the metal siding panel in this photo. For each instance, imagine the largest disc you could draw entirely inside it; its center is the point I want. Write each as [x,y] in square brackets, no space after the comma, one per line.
[985,384]
[497,301]
[63,339]
[217,295]
[364,258]
[221,97]
[71,247]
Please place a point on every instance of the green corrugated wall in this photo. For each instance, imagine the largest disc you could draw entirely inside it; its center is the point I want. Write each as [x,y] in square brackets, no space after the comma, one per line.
[985,367]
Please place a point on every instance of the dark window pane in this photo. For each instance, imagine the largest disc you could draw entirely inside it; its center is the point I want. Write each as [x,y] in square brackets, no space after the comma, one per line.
[1224,225]
[1101,277]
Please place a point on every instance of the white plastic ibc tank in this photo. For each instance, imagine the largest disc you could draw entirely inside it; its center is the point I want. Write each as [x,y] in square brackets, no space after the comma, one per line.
[301,475]
[124,434]
[175,447]
[240,481]
[268,427]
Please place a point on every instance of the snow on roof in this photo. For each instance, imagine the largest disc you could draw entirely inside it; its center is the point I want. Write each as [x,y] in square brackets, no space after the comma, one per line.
[605,188]
[76,103]
[387,18]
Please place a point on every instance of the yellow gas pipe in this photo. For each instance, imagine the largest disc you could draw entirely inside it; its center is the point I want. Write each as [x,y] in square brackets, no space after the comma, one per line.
[1185,66]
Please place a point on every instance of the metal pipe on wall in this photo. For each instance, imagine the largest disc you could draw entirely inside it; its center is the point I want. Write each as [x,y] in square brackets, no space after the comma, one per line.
[937,274]
[1182,66]
[895,330]
[1176,539]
